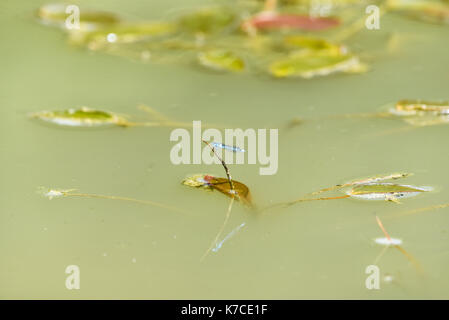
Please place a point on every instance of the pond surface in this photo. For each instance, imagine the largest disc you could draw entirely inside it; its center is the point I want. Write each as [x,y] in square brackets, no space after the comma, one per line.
[318,249]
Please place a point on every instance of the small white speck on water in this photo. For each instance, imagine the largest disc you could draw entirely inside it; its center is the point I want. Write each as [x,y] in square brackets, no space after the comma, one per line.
[174,236]
[388,242]
[388,278]
[45,229]
[111,37]
[105,254]
[134,260]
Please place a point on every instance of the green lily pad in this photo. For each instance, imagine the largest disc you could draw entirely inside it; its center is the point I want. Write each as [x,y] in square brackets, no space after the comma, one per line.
[221,60]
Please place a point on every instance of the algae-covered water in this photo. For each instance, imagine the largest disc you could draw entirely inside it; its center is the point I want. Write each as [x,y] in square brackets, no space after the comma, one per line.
[126,250]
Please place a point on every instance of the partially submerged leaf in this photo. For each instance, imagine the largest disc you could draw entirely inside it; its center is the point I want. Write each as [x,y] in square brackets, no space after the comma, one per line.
[124,33]
[316,44]
[196,180]
[221,60]
[87,117]
[273,21]
[310,64]
[421,113]
[385,191]
[241,191]
[372,179]
[80,117]
[420,107]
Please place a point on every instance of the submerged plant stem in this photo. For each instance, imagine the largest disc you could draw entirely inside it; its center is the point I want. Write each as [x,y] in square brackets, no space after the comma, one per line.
[219,233]
[288,204]
[147,202]
[421,210]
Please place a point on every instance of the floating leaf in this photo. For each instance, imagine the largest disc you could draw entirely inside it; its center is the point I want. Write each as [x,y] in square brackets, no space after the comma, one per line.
[207,21]
[421,113]
[273,21]
[55,14]
[124,33]
[372,179]
[316,44]
[420,107]
[197,180]
[365,189]
[241,191]
[80,117]
[310,64]
[221,60]
[385,191]
[87,117]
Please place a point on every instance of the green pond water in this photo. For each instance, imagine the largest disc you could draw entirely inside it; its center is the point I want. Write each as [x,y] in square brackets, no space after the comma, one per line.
[126,250]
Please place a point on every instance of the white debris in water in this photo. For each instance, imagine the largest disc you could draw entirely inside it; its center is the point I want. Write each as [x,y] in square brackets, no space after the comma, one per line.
[388,241]
[53,194]
[134,260]
[111,37]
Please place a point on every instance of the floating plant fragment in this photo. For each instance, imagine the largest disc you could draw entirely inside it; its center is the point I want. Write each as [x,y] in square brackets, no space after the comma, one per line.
[422,113]
[315,44]
[385,191]
[421,210]
[81,117]
[220,184]
[420,107]
[366,189]
[373,179]
[124,33]
[389,241]
[51,193]
[55,14]
[221,60]
[416,113]
[308,64]
[87,117]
